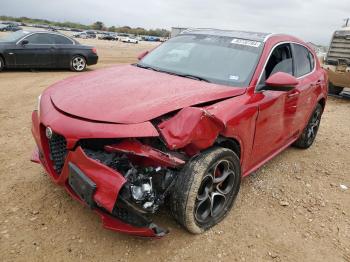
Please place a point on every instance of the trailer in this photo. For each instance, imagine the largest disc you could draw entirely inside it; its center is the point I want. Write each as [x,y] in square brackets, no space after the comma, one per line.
[337,62]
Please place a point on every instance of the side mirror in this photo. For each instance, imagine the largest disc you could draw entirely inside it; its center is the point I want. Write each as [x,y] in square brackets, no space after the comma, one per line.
[24,42]
[142,55]
[281,81]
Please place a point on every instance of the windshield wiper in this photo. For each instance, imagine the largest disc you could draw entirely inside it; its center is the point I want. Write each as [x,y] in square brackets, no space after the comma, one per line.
[194,77]
[173,73]
[147,67]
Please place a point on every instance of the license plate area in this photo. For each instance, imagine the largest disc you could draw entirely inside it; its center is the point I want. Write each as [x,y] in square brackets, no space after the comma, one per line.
[83,186]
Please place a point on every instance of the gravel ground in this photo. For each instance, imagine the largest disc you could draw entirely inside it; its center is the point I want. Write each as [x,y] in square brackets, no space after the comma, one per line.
[292,209]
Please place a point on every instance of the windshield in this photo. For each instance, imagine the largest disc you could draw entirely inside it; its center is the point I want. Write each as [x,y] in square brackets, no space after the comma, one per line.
[216,59]
[12,37]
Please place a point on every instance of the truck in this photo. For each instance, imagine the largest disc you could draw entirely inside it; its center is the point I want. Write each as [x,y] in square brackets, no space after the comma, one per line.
[337,62]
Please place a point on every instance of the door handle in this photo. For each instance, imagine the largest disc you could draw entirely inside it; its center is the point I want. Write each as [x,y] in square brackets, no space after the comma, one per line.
[293,94]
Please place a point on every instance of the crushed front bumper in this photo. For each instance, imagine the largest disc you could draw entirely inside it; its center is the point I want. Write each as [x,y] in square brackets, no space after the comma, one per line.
[107,181]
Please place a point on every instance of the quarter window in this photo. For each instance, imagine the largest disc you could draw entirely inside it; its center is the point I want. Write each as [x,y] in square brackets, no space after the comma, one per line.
[61,40]
[304,60]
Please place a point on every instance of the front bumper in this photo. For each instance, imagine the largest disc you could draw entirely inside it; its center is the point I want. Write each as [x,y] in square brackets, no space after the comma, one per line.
[108,182]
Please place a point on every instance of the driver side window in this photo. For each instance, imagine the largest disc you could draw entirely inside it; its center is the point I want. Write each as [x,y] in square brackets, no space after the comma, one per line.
[280,60]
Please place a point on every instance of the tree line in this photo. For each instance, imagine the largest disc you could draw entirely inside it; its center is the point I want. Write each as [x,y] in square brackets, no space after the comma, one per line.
[98,25]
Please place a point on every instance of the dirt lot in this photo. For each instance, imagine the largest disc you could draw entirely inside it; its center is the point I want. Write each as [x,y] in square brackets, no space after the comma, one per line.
[292,209]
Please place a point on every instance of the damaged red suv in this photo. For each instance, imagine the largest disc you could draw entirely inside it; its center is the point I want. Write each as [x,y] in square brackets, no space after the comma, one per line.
[181,127]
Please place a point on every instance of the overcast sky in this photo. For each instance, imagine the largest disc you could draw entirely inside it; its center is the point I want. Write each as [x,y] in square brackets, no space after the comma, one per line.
[312,20]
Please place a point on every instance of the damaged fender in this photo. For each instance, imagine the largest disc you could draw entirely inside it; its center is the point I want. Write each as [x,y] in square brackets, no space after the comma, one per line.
[191,128]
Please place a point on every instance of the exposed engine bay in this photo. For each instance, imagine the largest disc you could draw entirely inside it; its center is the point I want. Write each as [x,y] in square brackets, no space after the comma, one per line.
[150,173]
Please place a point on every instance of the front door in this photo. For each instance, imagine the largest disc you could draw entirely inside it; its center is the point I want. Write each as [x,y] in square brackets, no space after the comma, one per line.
[38,52]
[277,109]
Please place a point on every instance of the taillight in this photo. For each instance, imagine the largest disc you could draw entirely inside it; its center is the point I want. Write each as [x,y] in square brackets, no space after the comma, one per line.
[94,50]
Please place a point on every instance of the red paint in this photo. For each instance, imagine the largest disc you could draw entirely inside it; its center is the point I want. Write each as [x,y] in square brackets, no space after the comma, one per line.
[128,94]
[281,79]
[134,147]
[120,101]
[193,128]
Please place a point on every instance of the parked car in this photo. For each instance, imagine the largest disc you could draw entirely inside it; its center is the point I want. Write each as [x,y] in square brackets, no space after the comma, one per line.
[85,35]
[181,127]
[91,34]
[24,49]
[112,37]
[81,35]
[129,39]
[9,27]
[152,39]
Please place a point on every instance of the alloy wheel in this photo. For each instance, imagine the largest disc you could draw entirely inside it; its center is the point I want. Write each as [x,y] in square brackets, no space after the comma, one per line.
[313,126]
[78,63]
[214,192]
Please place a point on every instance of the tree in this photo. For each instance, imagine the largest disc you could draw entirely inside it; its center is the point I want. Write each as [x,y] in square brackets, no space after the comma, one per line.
[112,29]
[98,25]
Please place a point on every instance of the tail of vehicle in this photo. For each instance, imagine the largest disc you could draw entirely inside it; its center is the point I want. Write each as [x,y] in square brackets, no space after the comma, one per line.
[337,62]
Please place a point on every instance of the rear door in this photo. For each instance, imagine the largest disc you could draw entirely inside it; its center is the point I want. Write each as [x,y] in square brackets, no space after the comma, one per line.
[309,81]
[63,50]
[38,52]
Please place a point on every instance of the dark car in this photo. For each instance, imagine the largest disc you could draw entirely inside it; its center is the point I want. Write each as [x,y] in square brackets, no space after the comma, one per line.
[111,37]
[91,34]
[24,49]
[9,27]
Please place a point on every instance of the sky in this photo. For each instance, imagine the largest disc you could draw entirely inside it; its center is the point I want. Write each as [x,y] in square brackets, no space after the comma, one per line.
[311,20]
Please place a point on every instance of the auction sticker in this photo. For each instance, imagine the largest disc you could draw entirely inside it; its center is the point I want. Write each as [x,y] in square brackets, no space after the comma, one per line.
[245,42]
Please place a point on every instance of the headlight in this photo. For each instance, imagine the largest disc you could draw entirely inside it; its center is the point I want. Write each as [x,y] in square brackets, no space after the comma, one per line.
[38,104]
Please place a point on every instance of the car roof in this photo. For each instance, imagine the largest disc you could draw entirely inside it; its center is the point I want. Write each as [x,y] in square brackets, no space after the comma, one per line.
[255,36]
[28,32]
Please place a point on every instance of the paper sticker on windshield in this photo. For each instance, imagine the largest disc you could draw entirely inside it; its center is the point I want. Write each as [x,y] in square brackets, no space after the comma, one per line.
[233,77]
[245,42]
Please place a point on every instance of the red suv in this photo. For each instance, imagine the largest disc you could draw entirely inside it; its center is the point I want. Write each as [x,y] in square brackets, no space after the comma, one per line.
[181,127]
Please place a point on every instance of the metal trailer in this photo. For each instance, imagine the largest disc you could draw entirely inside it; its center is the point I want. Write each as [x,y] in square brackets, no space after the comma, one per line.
[337,62]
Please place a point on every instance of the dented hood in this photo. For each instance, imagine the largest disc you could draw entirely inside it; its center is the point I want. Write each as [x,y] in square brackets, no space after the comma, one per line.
[128,94]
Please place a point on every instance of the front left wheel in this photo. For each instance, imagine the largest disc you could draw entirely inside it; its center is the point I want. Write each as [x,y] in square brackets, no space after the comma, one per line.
[205,190]
[78,63]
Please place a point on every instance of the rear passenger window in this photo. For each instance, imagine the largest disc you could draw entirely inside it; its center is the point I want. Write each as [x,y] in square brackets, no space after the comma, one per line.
[304,60]
[61,40]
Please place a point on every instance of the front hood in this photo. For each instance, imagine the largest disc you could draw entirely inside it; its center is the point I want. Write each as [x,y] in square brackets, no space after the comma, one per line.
[128,94]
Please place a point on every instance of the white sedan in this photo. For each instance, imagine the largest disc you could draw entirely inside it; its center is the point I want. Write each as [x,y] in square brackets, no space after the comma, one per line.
[127,39]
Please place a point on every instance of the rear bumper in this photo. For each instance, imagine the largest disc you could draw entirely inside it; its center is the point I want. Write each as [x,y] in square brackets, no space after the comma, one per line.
[108,183]
[92,59]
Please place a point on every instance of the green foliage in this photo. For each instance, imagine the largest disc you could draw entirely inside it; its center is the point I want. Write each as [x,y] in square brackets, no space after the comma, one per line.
[98,25]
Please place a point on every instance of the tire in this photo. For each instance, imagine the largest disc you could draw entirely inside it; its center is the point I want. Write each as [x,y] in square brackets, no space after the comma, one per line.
[78,63]
[308,136]
[190,205]
[2,64]
[334,90]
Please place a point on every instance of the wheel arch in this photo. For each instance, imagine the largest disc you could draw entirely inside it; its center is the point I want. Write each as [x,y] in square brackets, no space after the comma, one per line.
[78,54]
[230,143]
[3,58]
[322,102]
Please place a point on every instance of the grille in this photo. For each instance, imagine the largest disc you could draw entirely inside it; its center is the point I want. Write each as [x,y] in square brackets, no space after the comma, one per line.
[58,151]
